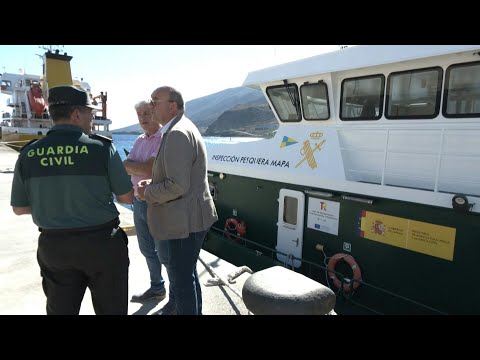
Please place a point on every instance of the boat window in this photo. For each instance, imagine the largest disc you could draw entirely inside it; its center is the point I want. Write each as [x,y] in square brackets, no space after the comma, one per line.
[290,210]
[362,98]
[315,101]
[6,84]
[462,91]
[281,98]
[414,94]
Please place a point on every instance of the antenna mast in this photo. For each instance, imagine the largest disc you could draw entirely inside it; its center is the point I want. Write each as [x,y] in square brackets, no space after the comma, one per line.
[52,48]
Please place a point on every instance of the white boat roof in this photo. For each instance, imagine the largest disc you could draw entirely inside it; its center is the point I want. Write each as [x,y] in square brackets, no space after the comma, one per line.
[350,58]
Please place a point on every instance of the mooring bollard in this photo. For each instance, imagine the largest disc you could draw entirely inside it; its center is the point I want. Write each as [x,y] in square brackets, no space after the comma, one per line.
[280,291]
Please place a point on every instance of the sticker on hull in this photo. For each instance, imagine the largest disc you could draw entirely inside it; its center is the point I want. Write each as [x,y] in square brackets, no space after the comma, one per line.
[306,153]
[422,237]
[323,215]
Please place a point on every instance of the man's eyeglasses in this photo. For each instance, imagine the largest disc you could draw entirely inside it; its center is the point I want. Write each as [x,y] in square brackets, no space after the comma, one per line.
[153,102]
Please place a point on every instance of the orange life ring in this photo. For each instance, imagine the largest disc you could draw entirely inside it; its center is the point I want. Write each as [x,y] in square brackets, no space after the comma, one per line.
[357,273]
[240,228]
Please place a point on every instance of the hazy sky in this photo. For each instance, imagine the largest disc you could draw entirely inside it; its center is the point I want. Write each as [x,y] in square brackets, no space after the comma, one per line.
[129,73]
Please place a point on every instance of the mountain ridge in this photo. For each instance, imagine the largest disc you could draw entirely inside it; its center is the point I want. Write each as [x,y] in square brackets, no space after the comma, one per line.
[238,111]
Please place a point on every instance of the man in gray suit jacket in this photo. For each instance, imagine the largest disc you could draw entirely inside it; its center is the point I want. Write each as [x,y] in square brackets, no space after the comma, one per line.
[180,207]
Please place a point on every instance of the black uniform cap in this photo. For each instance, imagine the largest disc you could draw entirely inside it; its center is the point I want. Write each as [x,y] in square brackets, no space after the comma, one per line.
[69,95]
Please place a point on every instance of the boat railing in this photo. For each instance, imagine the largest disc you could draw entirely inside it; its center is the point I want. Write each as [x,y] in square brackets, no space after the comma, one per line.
[260,292]
[312,266]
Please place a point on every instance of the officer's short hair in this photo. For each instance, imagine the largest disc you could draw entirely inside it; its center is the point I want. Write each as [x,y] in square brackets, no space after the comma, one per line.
[63,111]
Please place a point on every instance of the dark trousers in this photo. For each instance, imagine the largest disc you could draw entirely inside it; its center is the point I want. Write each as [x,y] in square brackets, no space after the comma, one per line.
[180,258]
[72,261]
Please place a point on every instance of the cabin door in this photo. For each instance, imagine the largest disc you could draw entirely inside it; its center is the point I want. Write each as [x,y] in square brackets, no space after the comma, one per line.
[291,207]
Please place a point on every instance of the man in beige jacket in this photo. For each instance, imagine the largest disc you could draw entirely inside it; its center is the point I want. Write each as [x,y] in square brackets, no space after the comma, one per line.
[180,207]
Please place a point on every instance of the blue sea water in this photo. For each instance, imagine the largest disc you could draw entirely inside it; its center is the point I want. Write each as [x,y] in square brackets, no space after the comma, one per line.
[125,142]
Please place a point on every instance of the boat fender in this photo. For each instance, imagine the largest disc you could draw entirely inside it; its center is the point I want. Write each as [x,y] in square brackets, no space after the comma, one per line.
[357,273]
[30,142]
[233,224]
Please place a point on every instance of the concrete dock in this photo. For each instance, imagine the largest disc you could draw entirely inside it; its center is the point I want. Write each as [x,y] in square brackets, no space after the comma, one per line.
[20,282]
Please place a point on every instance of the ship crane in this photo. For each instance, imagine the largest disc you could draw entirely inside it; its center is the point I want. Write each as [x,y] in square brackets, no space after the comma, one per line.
[103,101]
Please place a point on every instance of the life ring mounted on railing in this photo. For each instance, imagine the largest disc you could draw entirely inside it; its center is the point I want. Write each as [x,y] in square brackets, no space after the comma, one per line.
[232,227]
[357,272]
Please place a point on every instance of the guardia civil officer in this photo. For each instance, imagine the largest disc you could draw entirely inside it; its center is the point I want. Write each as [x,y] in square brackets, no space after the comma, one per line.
[66,181]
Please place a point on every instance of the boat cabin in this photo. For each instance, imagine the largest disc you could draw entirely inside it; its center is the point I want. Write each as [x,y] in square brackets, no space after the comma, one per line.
[401,122]
[371,184]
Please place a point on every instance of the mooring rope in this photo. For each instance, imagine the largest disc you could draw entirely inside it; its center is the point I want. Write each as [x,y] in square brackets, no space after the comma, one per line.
[12,143]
